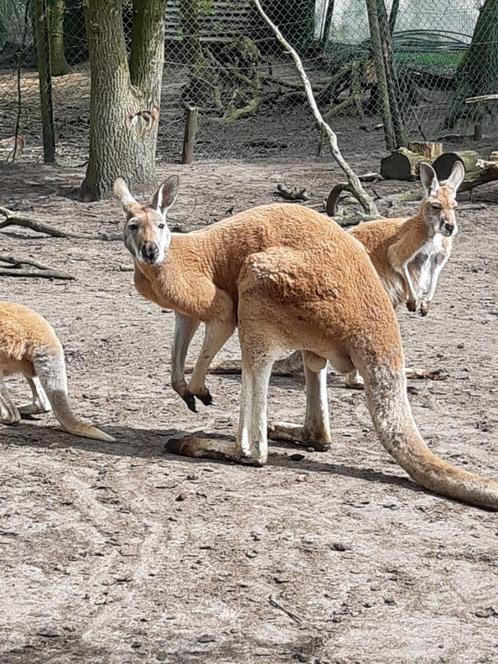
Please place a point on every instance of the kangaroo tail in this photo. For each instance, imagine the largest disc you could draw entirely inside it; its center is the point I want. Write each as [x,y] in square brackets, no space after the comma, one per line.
[391,413]
[51,370]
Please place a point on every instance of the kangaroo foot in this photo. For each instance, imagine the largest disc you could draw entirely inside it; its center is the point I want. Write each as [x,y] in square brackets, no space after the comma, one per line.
[9,414]
[213,448]
[293,433]
[33,409]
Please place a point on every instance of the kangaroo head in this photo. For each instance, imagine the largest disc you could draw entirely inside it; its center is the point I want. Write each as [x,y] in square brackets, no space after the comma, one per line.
[146,235]
[439,203]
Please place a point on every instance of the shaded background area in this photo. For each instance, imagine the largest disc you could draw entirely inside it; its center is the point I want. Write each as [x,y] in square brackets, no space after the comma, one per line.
[220,55]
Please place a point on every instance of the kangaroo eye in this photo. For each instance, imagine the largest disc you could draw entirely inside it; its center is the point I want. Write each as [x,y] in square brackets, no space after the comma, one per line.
[436,206]
[161,226]
[133,227]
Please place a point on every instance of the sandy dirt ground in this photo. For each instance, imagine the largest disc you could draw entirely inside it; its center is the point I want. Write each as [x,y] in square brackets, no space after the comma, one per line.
[122,553]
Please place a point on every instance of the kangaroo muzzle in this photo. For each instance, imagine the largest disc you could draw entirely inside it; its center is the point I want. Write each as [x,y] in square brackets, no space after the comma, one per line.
[447,228]
[150,252]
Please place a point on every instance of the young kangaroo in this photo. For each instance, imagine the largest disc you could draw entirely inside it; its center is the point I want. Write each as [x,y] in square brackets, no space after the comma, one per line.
[303,283]
[408,254]
[325,299]
[28,345]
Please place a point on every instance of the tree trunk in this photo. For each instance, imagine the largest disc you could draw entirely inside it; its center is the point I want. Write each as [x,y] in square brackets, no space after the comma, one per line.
[57,58]
[391,78]
[124,98]
[381,73]
[42,38]
[477,73]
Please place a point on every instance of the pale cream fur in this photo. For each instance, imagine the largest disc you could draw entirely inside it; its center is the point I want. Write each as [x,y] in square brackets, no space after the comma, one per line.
[29,346]
[291,279]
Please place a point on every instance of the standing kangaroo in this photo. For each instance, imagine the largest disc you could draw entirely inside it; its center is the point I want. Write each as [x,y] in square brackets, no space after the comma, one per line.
[29,346]
[297,281]
[408,254]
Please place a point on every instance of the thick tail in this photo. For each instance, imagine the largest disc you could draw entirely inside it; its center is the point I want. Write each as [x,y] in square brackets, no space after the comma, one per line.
[51,370]
[391,413]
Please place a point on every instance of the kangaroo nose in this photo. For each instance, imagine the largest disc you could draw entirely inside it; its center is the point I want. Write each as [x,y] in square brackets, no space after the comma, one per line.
[448,228]
[150,252]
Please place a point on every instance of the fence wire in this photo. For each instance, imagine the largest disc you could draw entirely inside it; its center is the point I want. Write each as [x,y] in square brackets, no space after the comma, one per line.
[222,58]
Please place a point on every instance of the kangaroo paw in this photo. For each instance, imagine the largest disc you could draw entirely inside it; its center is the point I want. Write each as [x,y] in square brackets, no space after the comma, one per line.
[423,309]
[205,398]
[189,399]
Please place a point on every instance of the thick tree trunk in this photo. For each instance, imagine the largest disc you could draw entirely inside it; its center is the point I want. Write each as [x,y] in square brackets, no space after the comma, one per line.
[125,99]
[42,39]
[57,58]
[477,73]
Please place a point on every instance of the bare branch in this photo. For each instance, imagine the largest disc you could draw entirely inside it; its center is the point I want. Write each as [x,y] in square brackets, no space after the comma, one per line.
[361,195]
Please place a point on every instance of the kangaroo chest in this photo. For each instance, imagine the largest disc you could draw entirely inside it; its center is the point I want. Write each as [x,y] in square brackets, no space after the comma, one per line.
[426,263]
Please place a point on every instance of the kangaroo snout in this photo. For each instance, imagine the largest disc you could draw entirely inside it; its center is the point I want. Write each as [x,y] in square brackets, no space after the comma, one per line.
[447,228]
[150,252]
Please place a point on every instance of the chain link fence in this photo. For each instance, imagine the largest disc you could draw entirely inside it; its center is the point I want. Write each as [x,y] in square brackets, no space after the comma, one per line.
[222,58]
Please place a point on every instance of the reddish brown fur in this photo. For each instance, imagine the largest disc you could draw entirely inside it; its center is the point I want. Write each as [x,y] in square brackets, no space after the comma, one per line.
[303,283]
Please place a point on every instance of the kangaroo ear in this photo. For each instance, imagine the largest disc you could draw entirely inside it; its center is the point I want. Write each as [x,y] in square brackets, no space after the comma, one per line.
[428,178]
[456,176]
[165,196]
[122,192]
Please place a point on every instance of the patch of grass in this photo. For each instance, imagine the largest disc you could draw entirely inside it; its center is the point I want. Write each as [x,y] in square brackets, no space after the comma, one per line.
[434,60]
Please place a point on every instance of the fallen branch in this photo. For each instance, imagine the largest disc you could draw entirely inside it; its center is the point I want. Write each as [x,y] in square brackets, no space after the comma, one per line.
[13,219]
[360,194]
[44,272]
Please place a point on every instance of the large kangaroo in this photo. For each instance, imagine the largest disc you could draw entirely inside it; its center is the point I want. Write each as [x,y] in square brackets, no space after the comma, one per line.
[408,254]
[29,346]
[298,281]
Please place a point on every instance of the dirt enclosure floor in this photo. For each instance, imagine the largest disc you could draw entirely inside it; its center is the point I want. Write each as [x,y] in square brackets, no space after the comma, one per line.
[122,553]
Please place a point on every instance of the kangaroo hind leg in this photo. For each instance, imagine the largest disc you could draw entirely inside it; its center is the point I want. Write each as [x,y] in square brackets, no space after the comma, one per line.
[40,403]
[8,411]
[316,429]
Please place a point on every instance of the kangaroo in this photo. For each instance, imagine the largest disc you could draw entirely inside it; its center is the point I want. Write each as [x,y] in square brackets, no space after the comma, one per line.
[291,279]
[407,253]
[325,299]
[29,345]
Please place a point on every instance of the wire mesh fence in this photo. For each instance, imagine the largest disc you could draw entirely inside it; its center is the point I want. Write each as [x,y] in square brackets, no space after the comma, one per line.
[223,59]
